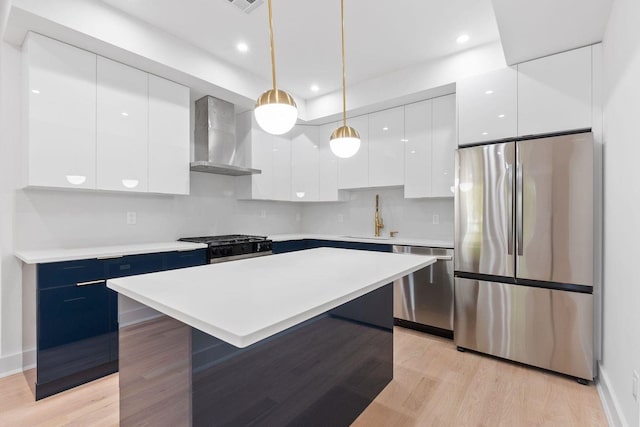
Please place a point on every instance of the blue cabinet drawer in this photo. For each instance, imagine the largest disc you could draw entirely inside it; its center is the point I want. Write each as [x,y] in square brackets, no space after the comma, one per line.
[69,272]
[174,260]
[377,247]
[289,246]
[134,264]
[72,313]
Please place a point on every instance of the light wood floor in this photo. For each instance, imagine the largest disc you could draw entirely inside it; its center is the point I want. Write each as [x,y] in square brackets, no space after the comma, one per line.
[433,385]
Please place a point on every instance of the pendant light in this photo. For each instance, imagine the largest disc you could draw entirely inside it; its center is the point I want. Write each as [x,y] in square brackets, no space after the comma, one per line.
[276,111]
[345,141]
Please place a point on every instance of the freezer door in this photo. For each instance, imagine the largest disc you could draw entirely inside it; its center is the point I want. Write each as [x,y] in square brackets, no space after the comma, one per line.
[484,238]
[547,328]
[554,209]
[426,296]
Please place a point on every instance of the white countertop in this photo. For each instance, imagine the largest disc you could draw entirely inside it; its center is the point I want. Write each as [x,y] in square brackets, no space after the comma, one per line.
[404,241]
[55,255]
[245,301]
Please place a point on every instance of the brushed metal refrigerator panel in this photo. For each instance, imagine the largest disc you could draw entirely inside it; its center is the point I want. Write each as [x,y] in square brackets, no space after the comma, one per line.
[554,209]
[484,220]
[426,296]
[546,328]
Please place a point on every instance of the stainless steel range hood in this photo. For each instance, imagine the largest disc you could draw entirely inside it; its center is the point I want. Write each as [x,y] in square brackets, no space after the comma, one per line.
[215,139]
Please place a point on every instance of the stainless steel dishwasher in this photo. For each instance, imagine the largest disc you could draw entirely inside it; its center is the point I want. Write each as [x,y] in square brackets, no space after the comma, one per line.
[424,300]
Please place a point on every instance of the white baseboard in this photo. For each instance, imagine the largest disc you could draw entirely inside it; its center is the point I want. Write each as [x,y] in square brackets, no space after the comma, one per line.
[12,364]
[610,403]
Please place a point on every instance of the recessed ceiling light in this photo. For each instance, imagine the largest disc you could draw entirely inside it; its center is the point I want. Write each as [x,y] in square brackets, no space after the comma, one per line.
[385,128]
[314,88]
[36,91]
[501,116]
[125,114]
[489,92]
[485,133]
[404,140]
[242,47]
[463,38]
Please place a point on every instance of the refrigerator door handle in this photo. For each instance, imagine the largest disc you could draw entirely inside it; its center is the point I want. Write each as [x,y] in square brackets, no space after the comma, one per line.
[510,209]
[519,209]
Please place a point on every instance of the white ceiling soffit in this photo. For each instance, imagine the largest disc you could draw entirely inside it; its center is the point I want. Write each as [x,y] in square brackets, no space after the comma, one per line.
[531,29]
[381,36]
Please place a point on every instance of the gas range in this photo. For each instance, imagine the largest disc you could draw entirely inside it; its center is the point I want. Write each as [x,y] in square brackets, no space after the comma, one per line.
[232,247]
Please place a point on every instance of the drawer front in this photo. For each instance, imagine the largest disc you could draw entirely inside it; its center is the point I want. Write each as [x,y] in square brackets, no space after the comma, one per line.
[69,272]
[73,313]
[134,264]
[547,328]
[359,246]
[289,246]
[174,260]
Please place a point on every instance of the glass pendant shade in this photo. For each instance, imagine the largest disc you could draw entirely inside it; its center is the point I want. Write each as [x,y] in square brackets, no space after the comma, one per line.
[276,112]
[345,142]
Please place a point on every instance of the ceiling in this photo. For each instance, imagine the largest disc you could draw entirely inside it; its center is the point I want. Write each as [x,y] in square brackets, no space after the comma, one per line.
[381,37]
[532,29]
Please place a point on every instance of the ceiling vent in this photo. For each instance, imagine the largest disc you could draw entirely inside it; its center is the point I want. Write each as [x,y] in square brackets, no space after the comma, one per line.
[247,6]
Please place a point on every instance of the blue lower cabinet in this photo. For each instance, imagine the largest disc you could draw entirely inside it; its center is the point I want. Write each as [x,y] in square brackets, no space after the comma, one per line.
[77,315]
[297,245]
[134,264]
[76,331]
[289,246]
[175,260]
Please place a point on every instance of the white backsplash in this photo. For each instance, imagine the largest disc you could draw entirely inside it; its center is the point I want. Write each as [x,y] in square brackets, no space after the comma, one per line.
[410,217]
[52,218]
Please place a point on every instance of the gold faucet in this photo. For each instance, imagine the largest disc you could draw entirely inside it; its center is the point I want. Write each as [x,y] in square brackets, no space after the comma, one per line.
[379,224]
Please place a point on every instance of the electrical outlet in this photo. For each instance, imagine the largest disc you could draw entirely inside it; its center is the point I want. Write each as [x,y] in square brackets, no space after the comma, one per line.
[263,213]
[635,385]
[131,218]
[340,218]
[436,219]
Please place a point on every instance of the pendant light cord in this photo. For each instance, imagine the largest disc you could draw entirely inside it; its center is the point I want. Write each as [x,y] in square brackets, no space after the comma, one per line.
[344,79]
[273,49]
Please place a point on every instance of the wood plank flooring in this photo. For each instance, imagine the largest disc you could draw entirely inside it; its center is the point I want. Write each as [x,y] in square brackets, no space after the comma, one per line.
[434,385]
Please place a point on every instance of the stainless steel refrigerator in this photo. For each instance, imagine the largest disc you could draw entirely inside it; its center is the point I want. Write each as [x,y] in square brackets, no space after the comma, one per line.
[524,254]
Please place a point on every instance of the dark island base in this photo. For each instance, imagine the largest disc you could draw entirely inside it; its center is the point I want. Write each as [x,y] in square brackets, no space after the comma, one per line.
[323,372]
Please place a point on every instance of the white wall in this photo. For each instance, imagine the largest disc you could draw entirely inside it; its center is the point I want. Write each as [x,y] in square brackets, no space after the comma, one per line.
[32,219]
[621,291]
[410,217]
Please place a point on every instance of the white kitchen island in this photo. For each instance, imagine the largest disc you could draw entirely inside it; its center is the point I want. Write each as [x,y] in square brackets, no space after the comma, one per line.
[300,338]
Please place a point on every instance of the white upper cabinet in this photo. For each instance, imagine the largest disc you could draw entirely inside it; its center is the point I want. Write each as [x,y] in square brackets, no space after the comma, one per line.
[417,149]
[328,165]
[60,108]
[269,153]
[386,147]
[487,106]
[98,124]
[305,171]
[554,93]
[354,171]
[169,126]
[430,133]
[443,146]
[123,122]
[281,167]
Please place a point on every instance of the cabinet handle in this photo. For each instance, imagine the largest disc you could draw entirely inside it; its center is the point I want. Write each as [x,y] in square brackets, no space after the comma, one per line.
[91,282]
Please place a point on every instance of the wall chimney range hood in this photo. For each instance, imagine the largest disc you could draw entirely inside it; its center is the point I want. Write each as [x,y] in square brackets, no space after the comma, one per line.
[215,139]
